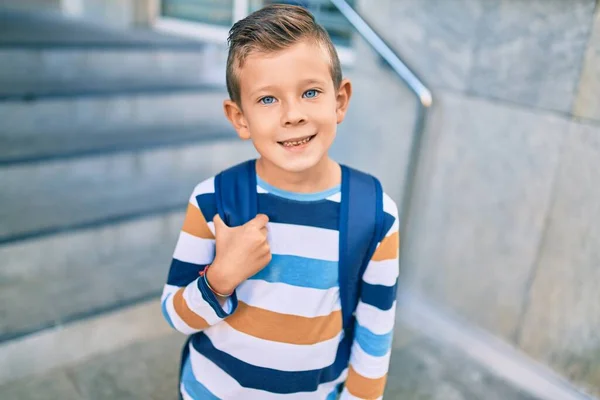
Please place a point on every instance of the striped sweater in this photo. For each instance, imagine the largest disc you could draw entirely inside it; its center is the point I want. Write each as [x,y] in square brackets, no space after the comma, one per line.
[279,336]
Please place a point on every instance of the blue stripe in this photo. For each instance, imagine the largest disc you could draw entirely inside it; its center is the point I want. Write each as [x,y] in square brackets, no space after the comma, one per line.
[272,380]
[183,273]
[379,296]
[332,395]
[212,300]
[298,196]
[320,214]
[372,344]
[165,312]
[194,388]
[208,205]
[323,214]
[388,222]
[300,271]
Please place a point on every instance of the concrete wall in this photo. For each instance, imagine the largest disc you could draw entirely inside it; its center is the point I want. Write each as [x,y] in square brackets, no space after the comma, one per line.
[505,231]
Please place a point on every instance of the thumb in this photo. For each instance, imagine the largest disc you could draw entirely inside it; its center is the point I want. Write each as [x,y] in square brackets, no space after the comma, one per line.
[219,224]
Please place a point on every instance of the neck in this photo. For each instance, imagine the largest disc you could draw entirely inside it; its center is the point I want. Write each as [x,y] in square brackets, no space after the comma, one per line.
[324,175]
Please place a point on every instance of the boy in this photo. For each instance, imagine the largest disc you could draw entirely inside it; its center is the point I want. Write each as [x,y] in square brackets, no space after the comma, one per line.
[262,300]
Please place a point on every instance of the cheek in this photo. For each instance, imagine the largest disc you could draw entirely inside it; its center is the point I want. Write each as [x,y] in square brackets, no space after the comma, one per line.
[326,111]
[261,126]
[326,118]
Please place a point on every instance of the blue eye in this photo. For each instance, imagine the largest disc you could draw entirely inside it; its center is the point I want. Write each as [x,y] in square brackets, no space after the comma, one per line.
[311,94]
[267,100]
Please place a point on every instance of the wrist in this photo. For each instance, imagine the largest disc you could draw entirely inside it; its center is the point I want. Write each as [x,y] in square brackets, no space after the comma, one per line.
[219,281]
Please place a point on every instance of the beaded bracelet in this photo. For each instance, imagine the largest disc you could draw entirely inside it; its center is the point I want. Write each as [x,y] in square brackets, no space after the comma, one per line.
[203,274]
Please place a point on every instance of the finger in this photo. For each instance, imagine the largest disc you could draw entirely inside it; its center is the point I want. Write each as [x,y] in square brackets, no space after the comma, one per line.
[265,248]
[219,224]
[264,231]
[267,258]
[259,221]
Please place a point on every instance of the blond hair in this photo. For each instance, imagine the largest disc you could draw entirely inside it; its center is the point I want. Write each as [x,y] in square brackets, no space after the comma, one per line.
[270,29]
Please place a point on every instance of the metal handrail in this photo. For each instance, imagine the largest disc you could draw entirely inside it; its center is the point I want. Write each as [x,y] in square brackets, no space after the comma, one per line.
[412,81]
[423,94]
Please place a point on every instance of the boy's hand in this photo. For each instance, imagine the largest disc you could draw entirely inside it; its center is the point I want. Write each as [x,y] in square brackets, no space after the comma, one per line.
[240,252]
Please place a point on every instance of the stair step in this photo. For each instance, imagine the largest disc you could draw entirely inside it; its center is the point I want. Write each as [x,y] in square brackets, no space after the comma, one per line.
[80,342]
[47,29]
[49,146]
[103,257]
[42,198]
[83,273]
[43,49]
[115,111]
[146,370]
[30,72]
[31,91]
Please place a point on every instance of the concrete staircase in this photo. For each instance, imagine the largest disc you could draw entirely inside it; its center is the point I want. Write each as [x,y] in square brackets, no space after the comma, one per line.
[103,136]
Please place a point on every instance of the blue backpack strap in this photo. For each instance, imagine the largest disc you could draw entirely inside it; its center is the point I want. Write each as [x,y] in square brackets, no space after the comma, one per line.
[361,228]
[235,194]
[237,203]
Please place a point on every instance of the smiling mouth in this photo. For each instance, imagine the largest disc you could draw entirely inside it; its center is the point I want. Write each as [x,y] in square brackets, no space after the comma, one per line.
[297,142]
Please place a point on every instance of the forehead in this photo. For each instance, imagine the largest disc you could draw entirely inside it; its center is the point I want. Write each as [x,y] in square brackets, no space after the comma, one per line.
[303,61]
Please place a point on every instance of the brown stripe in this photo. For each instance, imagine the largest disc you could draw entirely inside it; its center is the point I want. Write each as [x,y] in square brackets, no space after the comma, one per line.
[195,223]
[284,328]
[365,388]
[188,316]
[388,248]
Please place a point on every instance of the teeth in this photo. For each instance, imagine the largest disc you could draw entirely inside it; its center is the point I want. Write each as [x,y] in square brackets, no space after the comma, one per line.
[297,143]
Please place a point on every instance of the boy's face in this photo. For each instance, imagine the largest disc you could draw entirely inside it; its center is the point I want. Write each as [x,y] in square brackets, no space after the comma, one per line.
[290,107]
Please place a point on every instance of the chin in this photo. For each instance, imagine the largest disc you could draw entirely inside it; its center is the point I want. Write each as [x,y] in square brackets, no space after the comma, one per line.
[299,164]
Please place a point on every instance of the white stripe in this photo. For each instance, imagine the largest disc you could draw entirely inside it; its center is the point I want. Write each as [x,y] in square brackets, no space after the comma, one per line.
[275,355]
[167,290]
[347,396]
[176,319]
[303,241]
[194,250]
[224,386]
[389,206]
[382,272]
[204,187]
[198,305]
[184,393]
[377,321]
[368,366]
[394,228]
[287,299]
[337,197]
[260,189]
[211,227]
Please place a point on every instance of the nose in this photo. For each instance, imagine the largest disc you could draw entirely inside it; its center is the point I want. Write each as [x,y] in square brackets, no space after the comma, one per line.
[292,115]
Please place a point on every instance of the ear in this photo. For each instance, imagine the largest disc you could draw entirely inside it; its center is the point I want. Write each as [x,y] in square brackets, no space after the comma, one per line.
[343,99]
[234,114]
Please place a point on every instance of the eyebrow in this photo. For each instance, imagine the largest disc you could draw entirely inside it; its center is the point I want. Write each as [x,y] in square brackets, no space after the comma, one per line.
[312,82]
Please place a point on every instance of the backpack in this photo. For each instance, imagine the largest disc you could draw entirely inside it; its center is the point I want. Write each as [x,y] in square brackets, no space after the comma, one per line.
[361,222]
[361,226]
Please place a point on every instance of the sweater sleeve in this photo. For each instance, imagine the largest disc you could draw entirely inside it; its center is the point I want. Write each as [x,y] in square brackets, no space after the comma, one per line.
[187,303]
[375,316]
